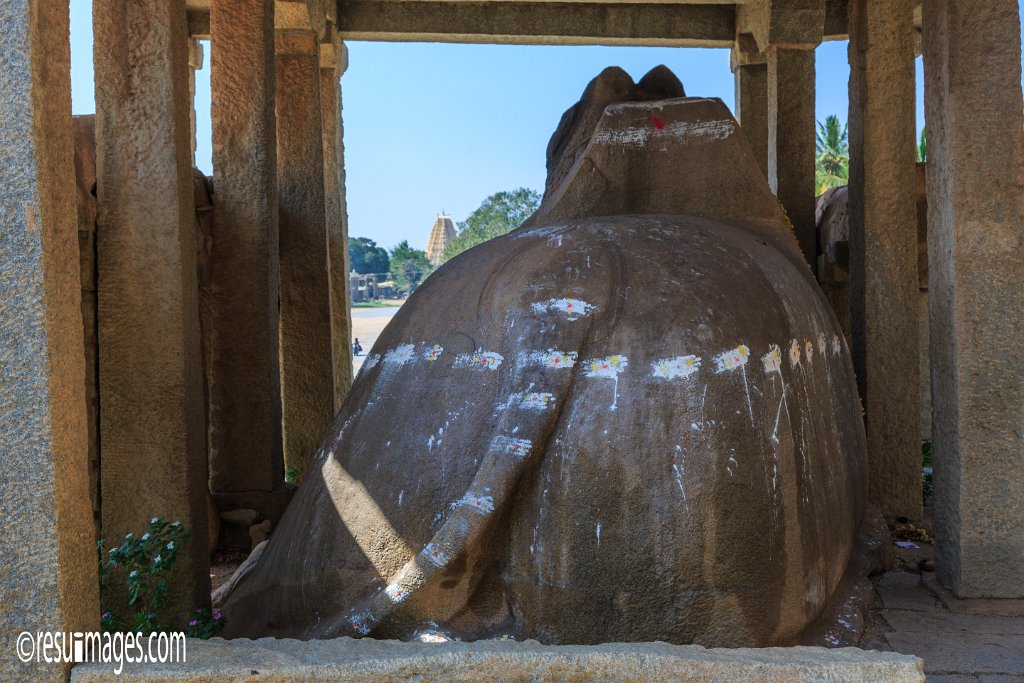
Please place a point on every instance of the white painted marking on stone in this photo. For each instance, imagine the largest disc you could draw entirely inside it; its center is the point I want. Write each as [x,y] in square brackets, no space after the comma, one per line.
[533,400]
[479,360]
[772,360]
[597,532]
[733,359]
[435,554]
[552,358]
[737,359]
[682,489]
[836,345]
[482,504]
[794,353]
[360,623]
[608,368]
[680,132]
[433,353]
[399,355]
[677,367]
[518,448]
[371,361]
[573,309]
[396,593]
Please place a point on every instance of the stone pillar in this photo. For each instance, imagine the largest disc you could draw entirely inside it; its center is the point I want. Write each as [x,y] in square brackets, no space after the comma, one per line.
[972,65]
[791,127]
[333,62]
[152,411]
[307,373]
[752,108]
[48,574]
[883,248]
[245,388]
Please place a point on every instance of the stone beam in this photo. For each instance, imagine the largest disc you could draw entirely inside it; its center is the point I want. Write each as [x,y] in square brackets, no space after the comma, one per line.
[307,373]
[244,373]
[787,23]
[791,142]
[152,413]
[972,66]
[883,249]
[333,60]
[836,20]
[199,24]
[539,23]
[48,575]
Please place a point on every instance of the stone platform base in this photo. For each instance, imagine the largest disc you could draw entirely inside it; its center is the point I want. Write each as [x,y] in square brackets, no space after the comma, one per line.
[269,660]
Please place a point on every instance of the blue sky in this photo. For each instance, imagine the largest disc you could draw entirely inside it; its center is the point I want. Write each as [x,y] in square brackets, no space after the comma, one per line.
[439,127]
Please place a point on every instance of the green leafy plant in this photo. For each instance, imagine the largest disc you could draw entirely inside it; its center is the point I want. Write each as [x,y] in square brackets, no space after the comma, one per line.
[204,624]
[409,266]
[291,475]
[497,215]
[144,566]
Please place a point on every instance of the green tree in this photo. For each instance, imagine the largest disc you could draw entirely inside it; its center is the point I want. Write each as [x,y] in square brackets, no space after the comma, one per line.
[366,257]
[409,266]
[832,167]
[497,215]
[922,148]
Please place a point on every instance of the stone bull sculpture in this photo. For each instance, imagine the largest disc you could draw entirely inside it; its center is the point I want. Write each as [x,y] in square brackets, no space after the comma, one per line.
[634,418]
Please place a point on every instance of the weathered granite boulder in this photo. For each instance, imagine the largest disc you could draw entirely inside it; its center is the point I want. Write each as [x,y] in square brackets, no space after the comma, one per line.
[635,418]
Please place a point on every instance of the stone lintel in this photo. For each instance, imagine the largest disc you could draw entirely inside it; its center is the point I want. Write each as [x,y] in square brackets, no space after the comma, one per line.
[546,23]
[745,52]
[836,20]
[295,42]
[199,24]
[292,14]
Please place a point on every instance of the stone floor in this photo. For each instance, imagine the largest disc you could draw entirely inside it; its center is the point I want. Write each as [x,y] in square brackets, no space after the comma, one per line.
[959,640]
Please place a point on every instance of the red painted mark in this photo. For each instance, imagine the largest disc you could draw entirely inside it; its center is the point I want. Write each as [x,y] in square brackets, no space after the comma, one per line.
[658,123]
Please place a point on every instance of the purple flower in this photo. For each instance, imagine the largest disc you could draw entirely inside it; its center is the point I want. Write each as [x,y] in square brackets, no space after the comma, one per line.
[193,622]
[217,615]
[105,615]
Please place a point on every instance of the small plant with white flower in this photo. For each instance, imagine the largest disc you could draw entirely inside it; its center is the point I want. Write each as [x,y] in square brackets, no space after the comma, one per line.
[145,565]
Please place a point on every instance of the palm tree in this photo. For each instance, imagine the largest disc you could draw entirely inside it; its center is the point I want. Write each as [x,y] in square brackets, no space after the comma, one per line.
[833,155]
[922,148]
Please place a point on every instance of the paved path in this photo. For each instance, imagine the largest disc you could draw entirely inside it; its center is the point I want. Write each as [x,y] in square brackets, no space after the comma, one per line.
[367,324]
[959,640]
